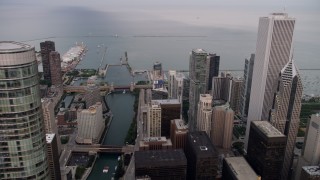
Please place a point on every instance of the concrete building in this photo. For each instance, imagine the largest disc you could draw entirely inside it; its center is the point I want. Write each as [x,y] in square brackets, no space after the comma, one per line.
[90,124]
[155,143]
[170,109]
[154,121]
[204,113]
[285,115]
[237,168]
[178,134]
[53,156]
[310,173]
[213,63]
[198,83]
[222,126]
[246,86]
[266,150]
[273,50]
[310,155]
[22,136]
[202,156]
[46,47]
[55,68]
[235,95]
[161,164]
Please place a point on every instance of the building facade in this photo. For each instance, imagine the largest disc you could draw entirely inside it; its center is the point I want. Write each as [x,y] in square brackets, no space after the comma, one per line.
[55,68]
[178,134]
[198,83]
[22,135]
[285,115]
[171,85]
[154,121]
[310,155]
[53,156]
[46,47]
[90,124]
[161,164]
[273,50]
[266,150]
[202,156]
[204,113]
[235,95]
[222,126]
[213,63]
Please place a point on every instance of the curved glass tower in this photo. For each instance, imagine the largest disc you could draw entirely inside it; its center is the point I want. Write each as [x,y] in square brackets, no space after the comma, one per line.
[22,136]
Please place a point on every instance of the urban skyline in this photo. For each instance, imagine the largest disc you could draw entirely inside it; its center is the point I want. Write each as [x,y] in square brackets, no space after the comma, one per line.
[83,110]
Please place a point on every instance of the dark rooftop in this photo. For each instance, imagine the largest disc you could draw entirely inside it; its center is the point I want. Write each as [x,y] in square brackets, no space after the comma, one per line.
[159,158]
[201,144]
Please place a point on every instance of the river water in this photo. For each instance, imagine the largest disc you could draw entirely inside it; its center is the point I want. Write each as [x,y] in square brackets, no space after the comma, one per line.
[121,106]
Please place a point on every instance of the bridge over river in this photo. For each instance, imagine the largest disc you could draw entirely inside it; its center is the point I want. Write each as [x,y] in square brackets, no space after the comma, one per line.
[82,89]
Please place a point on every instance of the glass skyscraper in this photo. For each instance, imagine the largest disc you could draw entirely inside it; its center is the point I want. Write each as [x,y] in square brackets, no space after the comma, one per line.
[22,136]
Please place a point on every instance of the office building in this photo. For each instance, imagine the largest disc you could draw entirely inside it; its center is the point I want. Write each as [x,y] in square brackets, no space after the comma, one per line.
[204,113]
[285,115]
[157,71]
[266,149]
[221,87]
[161,164]
[178,134]
[198,83]
[171,85]
[273,49]
[55,68]
[222,126]
[213,63]
[310,173]
[90,124]
[92,95]
[237,168]
[22,135]
[155,143]
[202,156]
[53,156]
[170,109]
[235,95]
[50,124]
[46,48]
[246,86]
[154,121]
[310,155]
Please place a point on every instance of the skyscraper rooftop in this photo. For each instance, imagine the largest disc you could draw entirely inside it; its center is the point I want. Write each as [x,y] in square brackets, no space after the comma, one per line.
[268,129]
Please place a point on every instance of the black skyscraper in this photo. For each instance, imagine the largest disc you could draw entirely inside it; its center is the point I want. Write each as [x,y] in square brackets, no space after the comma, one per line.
[213,63]
[46,47]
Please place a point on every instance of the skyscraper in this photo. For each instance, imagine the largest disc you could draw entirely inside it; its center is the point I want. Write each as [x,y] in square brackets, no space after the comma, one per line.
[198,80]
[204,113]
[55,68]
[22,136]
[53,156]
[235,95]
[154,121]
[310,155]
[246,86]
[171,85]
[46,47]
[266,149]
[213,63]
[285,114]
[273,51]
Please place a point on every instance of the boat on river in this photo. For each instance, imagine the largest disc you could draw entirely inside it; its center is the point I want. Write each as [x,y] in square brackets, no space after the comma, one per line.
[105,169]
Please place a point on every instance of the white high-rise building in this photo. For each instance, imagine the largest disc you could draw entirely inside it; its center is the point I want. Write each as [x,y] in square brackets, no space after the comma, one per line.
[154,121]
[310,155]
[204,113]
[90,124]
[273,51]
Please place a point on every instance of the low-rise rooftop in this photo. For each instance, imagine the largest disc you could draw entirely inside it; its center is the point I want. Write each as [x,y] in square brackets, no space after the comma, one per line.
[49,138]
[240,168]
